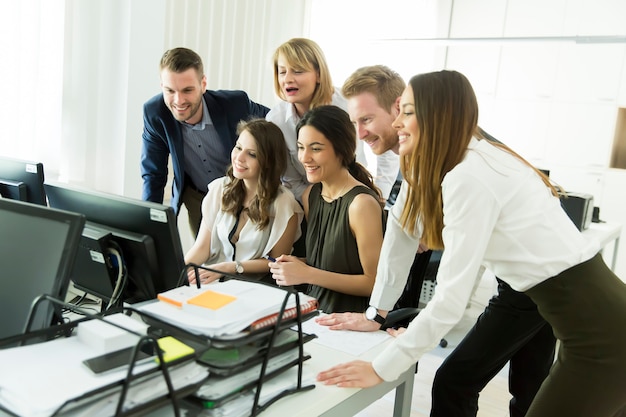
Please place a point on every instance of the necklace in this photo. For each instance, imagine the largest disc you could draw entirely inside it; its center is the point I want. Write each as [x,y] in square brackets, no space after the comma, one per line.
[339,194]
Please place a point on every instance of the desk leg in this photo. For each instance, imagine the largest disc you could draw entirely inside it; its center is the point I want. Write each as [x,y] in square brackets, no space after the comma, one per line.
[404,397]
[615,248]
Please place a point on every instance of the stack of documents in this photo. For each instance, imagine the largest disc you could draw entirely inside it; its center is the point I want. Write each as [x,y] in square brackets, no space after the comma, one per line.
[230,306]
[219,387]
[37,380]
[242,405]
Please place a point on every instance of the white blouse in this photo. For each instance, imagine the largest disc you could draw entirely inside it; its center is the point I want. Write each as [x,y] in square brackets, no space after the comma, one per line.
[252,243]
[497,214]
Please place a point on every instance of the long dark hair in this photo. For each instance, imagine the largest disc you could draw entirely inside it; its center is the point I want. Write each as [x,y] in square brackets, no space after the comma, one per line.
[272,157]
[334,123]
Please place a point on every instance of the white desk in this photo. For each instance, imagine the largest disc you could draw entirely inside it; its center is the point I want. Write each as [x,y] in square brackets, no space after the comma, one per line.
[330,401]
[606,233]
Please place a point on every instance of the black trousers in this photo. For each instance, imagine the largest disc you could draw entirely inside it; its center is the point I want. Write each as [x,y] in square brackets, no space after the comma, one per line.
[509,330]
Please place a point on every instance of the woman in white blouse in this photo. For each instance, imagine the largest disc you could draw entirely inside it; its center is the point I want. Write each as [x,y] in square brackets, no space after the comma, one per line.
[302,81]
[487,206]
[247,214]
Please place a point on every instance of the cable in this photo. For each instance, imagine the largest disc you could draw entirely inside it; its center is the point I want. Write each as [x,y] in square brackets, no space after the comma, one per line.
[120,282]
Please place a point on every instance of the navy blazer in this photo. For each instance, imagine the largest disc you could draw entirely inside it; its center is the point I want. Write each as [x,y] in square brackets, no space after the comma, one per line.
[162,136]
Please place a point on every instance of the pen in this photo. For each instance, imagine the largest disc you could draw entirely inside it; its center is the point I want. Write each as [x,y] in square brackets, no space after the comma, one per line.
[195,269]
[269,258]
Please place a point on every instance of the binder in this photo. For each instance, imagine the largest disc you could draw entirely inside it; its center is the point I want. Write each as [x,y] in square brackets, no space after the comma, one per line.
[307,307]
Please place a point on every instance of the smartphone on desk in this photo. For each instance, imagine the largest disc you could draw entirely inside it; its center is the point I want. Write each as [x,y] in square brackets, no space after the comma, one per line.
[120,358]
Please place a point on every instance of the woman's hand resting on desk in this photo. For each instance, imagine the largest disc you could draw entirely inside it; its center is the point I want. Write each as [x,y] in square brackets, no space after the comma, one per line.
[209,276]
[288,270]
[355,374]
[348,321]
[396,332]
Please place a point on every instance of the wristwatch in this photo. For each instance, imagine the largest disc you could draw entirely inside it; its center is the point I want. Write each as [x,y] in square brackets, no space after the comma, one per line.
[238,267]
[372,315]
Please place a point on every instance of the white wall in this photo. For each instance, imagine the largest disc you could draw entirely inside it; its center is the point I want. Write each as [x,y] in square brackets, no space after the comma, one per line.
[553,102]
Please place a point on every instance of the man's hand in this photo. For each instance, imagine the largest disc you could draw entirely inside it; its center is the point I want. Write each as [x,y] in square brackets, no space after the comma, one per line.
[358,374]
[348,321]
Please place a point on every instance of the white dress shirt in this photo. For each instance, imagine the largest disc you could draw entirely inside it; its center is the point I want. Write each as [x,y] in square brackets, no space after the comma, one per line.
[252,243]
[497,214]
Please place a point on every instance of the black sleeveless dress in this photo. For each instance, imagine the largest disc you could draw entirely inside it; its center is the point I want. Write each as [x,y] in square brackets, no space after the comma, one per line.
[331,246]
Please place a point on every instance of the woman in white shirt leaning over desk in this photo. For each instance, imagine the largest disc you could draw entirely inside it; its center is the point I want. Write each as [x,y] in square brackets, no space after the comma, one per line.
[488,206]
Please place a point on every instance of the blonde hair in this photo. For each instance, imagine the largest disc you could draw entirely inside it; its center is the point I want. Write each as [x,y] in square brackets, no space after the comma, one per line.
[304,54]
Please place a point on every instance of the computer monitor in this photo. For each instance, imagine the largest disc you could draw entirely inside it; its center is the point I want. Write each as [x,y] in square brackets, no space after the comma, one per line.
[37,250]
[144,233]
[22,180]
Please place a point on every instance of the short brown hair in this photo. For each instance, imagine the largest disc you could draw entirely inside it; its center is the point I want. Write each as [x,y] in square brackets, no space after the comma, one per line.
[382,82]
[180,60]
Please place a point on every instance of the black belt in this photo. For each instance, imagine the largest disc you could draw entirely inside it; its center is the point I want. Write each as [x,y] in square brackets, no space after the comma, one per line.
[190,184]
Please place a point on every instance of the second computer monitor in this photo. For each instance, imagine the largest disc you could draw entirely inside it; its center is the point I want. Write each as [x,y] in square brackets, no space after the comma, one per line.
[145,233]
[22,180]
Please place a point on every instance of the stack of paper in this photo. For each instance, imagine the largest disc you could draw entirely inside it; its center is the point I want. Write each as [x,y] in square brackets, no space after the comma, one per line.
[242,405]
[217,387]
[247,303]
[56,374]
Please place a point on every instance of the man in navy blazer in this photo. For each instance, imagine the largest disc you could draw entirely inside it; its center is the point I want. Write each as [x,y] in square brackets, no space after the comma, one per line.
[197,127]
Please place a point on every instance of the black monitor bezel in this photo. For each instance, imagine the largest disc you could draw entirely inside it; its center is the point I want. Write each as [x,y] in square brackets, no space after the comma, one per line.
[76,222]
[132,215]
[28,172]
[13,190]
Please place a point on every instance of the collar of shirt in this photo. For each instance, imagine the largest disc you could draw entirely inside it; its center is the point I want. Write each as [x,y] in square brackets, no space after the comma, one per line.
[206,118]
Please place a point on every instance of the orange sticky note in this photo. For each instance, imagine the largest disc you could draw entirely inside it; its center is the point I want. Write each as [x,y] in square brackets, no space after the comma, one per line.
[211,300]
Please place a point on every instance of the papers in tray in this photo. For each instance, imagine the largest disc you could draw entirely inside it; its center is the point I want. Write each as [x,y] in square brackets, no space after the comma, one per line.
[241,406]
[217,387]
[36,380]
[251,302]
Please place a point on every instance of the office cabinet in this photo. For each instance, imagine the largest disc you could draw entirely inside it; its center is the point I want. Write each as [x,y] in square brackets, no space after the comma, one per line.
[551,99]
[477,18]
[601,17]
[521,124]
[580,134]
[528,71]
[479,63]
[534,18]
[589,72]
